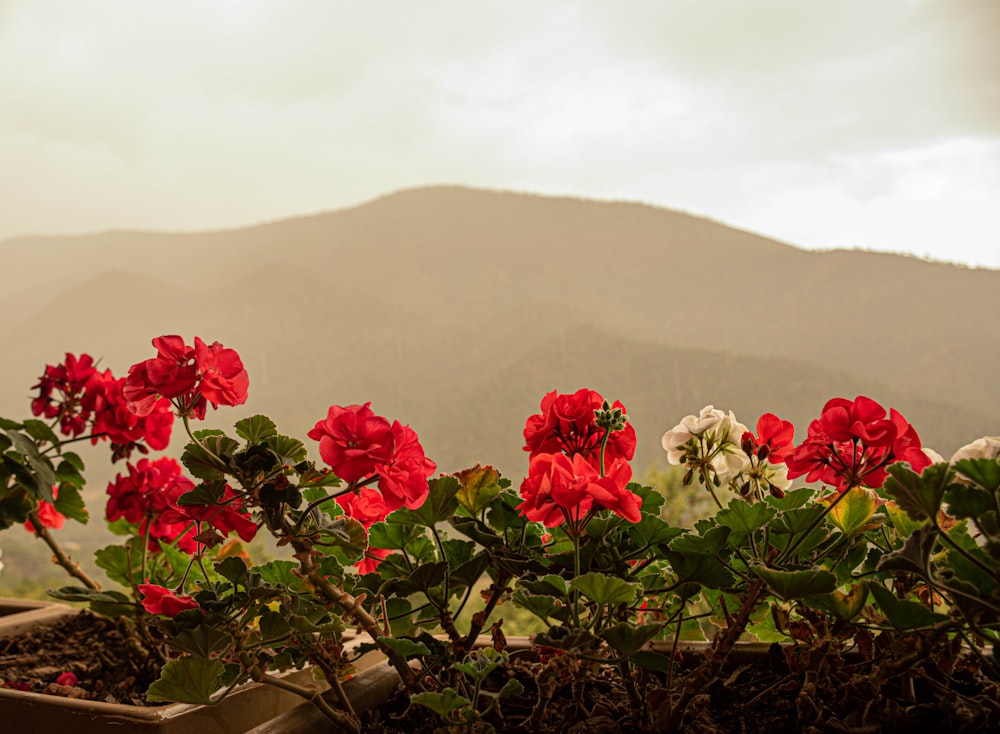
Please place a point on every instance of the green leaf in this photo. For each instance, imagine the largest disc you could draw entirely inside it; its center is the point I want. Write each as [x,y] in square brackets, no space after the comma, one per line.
[187,680]
[234,569]
[798,520]
[700,569]
[424,578]
[438,507]
[256,428]
[914,556]
[273,626]
[469,573]
[392,536]
[279,573]
[984,472]
[14,506]
[796,584]
[473,528]
[603,589]
[711,543]
[512,687]
[207,493]
[845,606]
[114,561]
[792,500]
[42,474]
[347,534]
[405,647]
[919,494]
[442,703]
[74,460]
[964,501]
[627,638]
[289,450]
[478,486]
[652,500]
[40,431]
[201,640]
[657,662]
[652,531]
[209,458]
[543,607]
[70,503]
[742,517]
[902,614]
[548,585]
[853,510]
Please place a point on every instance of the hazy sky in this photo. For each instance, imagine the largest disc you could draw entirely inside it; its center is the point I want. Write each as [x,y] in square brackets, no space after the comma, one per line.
[855,123]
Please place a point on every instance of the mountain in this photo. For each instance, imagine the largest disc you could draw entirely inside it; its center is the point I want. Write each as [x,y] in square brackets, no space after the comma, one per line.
[455,310]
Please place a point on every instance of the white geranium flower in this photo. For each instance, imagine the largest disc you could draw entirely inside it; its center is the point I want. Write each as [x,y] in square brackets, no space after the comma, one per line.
[675,440]
[987,447]
[933,455]
[711,436]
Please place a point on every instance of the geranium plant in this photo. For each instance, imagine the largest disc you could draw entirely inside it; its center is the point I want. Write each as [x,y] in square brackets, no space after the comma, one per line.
[878,576]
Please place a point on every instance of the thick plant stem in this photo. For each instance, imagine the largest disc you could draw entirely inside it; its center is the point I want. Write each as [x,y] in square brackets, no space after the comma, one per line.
[715,659]
[340,718]
[352,608]
[71,567]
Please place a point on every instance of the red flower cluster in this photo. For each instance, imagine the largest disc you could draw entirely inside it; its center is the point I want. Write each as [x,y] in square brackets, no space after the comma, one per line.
[191,377]
[564,481]
[145,495]
[360,446]
[560,488]
[148,497]
[852,443]
[566,425]
[84,399]
[159,600]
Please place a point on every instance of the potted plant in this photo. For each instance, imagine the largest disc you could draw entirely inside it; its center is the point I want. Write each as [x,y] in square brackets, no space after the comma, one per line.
[877,583]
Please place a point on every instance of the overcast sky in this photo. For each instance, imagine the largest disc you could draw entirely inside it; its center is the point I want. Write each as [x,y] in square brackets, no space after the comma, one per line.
[855,123]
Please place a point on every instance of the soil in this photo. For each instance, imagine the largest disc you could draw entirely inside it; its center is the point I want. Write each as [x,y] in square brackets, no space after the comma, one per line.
[785,691]
[92,648]
[768,696]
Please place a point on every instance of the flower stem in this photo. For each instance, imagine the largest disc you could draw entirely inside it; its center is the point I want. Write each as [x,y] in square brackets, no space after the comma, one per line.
[69,565]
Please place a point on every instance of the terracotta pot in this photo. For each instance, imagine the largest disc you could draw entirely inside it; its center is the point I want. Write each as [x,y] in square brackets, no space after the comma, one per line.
[244,708]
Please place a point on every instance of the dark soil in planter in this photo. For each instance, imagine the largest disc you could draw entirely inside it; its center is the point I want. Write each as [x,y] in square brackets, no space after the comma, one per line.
[107,667]
[766,696]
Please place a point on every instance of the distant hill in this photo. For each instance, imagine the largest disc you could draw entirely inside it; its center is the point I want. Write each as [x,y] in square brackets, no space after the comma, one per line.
[455,310]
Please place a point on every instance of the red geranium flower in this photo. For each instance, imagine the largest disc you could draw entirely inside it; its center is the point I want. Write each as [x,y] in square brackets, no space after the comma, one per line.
[67,380]
[359,445]
[146,495]
[353,440]
[223,379]
[852,443]
[567,425]
[48,515]
[105,396]
[367,506]
[403,479]
[159,600]
[774,435]
[560,488]
[190,377]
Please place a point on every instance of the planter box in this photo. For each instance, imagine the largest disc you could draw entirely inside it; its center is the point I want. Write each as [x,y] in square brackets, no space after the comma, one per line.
[244,708]
[20,614]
